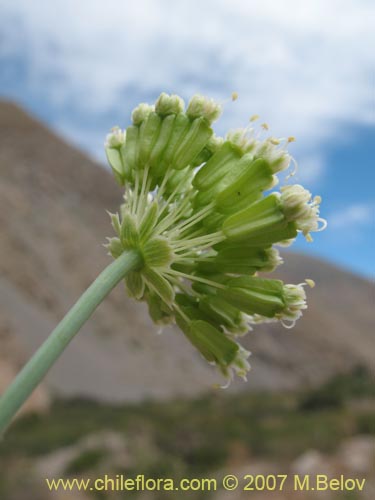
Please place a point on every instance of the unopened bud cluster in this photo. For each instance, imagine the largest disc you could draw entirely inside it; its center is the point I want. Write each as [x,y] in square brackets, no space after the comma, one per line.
[196,208]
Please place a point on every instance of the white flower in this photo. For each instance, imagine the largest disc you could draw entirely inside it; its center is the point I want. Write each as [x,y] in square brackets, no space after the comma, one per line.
[298,206]
[239,366]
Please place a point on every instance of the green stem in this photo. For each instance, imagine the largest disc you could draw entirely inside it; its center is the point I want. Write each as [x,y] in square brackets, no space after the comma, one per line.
[34,371]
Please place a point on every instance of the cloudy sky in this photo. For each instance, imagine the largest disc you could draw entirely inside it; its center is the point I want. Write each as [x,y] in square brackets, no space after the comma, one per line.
[306,67]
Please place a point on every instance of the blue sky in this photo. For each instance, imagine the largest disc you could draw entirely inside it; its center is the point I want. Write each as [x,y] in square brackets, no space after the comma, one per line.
[306,67]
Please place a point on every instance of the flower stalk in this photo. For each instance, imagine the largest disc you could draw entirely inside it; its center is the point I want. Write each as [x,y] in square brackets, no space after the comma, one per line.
[35,370]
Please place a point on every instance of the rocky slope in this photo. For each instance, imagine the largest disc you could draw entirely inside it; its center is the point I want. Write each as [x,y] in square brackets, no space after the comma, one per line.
[53,220]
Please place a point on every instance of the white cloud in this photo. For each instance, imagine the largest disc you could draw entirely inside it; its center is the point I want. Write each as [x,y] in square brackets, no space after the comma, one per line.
[310,170]
[304,66]
[359,214]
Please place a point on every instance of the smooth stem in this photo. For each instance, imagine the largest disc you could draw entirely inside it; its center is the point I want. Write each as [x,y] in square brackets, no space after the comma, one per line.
[34,371]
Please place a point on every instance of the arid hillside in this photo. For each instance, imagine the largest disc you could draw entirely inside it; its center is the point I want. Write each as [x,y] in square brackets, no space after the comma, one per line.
[53,221]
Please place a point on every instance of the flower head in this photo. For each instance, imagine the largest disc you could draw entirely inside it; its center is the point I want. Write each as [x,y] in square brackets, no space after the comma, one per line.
[195,208]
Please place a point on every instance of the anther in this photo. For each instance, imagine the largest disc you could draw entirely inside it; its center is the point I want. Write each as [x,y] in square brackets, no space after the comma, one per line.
[310,282]
[274,141]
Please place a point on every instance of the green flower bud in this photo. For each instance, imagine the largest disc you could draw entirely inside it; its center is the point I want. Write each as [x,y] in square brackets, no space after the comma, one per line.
[116,138]
[129,234]
[148,222]
[200,106]
[140,113]
[131,149]
[169,104]
[113,148]
[216,167]
[259,218]
[241,260]
[215,346]
[180,128]
[214,221]
[246,188]
[159,285]
[280,235]
[148,135]
[254,295]
[115,247]
[159,312]
[224,314]
[192,144]
[166,130]
[239,168]
[178,181]
[213,145]
[135,285]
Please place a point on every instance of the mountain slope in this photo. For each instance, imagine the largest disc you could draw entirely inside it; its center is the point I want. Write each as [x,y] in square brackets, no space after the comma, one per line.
[53,221]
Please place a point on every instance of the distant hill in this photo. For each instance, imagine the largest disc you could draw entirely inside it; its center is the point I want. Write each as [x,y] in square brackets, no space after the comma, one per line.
[52,224]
